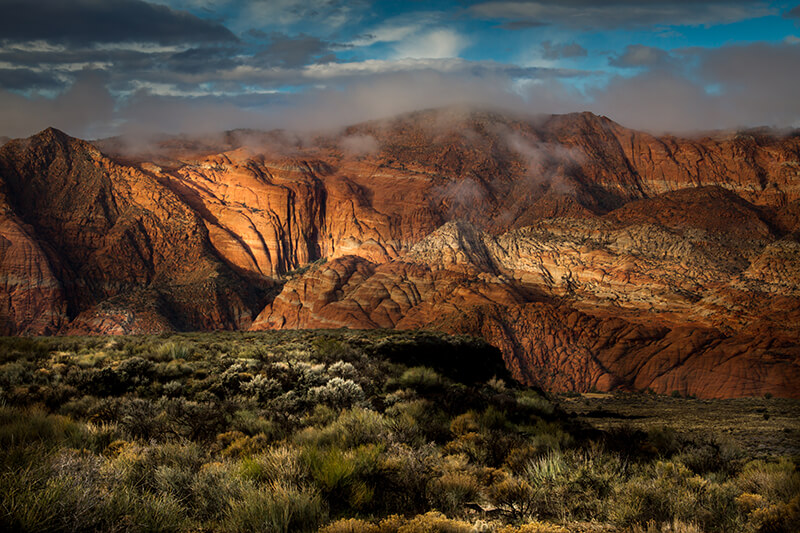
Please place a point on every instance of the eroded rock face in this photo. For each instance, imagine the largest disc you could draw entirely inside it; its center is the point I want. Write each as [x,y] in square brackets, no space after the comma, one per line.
[582,304]
[593,256]
[96,231]
[33,300]
[272,203]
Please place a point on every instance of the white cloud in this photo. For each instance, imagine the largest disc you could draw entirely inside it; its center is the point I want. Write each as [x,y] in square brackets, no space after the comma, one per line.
[34,46]
[383,66]
[436,44]
[144,48]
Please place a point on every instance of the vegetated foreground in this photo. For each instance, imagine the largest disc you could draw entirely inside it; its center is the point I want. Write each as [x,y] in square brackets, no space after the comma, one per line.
[344,431]
[592,255]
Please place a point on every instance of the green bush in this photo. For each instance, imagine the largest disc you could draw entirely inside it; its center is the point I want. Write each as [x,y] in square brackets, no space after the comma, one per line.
[278,508]
[421,378]
[281,464]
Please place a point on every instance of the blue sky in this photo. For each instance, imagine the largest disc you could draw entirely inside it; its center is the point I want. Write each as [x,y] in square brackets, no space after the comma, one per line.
[100,67]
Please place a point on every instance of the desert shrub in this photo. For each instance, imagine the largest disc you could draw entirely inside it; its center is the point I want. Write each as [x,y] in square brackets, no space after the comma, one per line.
[344,477]
[286,407]
[15,373]
[352,428]
[665,441]
[775,480]
[350,525]
[280,464]
[235,444]
[171,350]
[252,423]
[669,492]
[514,495]
[450,491]
[551,484]
[21,348]
[154,512]
[343,369]
[534,527]
[153,467]
[174,480]
[338,393]
[262,388]
[404,476]
[544,437]
[676,526]
[535,403]
[68,498]
[329,350]
[465,424]
[431,522]
[430,420]
[403,428]
[278,508]
[473,445]
[519,457]
[214,487]
[421,378]
[200,421]
[715,455]
[173,370]
[36,502]
[135,370]
[21,427]
[780,517]
[141,419]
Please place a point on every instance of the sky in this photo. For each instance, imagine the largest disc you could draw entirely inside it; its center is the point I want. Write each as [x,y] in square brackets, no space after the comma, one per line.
[97,68]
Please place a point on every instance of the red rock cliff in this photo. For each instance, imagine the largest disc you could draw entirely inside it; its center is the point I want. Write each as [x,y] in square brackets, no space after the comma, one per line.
[594,256]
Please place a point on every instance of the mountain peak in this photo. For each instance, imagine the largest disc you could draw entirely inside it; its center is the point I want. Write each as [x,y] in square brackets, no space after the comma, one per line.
[54,140]
[51,133]
[455,243]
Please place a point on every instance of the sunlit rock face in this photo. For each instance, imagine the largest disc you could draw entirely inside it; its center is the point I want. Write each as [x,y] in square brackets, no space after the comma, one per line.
[593,256]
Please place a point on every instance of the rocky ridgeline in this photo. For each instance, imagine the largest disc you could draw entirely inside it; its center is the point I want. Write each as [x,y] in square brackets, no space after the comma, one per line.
[593,256]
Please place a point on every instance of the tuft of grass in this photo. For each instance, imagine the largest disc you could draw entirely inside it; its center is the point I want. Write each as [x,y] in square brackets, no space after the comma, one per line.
[278,508]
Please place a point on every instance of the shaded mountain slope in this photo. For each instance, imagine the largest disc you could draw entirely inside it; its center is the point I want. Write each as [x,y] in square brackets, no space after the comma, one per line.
[120,250]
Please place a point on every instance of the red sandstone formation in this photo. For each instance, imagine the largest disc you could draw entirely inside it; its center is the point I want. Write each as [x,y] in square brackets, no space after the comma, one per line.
[593,256]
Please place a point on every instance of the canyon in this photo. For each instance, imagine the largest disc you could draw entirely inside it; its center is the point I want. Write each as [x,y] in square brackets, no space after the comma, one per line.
[593,256]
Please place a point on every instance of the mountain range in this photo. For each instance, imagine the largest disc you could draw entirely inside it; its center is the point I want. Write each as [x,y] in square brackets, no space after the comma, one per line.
[593,256]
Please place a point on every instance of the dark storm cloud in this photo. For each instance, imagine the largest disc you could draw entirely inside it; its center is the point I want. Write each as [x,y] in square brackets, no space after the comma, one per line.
[256,34]
[291,51]
[590,14]
[637,55]
[196,60]
[517,25]
[121,65]
[85,22]
[565,50]
[23,79]
[793,13]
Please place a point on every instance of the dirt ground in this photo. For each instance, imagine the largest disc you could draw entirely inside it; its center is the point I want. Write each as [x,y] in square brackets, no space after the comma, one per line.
[763,427]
